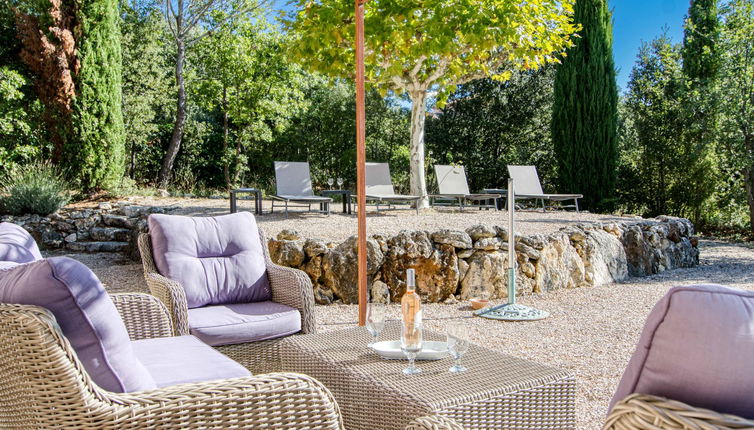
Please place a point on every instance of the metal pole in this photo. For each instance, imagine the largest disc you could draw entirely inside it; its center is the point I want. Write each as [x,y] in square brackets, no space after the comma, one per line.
[512,261]
[361,162]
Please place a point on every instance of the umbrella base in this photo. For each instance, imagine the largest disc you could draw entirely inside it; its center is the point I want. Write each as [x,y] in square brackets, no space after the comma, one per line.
[512,312]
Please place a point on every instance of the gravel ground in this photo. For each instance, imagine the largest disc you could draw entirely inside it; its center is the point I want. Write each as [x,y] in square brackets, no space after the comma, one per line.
[339,226]
[591,331]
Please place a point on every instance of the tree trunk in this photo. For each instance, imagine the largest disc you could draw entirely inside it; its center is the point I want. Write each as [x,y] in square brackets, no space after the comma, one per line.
[226,161]
[749,181]
[418,172]
[180,119]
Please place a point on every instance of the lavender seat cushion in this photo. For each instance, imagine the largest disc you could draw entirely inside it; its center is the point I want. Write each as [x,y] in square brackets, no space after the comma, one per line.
[17,245]
[243,322]
[184,359]
[697,347]
[86,315]
[217,260]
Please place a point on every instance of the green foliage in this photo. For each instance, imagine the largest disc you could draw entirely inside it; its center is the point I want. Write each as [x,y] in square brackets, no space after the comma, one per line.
[36,188]
[244,76]
[96,153]
[657,169]
[488,124]
[736,104]
[413,45]
[19,133]
[147,86]
[701,58]
[585,111]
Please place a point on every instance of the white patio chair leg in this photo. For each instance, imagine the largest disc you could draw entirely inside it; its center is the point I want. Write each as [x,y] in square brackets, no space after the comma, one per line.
[576,203]
[286,208]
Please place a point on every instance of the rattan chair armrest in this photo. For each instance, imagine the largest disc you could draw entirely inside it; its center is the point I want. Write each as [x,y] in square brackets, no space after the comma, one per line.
[642,411]
[273,400]
[434,422]
[291,287]
[172,295]
[144,316]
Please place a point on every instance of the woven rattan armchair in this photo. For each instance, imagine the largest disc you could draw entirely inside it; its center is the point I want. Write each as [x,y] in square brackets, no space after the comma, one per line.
[289,286]
[641,412]
[44,386]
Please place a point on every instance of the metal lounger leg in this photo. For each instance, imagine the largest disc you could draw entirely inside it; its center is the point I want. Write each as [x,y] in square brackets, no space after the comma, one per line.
[576,203]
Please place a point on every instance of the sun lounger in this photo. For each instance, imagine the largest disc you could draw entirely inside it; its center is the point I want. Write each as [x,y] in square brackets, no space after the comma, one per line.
[379,187]
[294,185]
[527,185]
[453,186]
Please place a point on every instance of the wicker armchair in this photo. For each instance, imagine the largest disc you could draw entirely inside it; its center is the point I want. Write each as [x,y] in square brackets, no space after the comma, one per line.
[641,411]
[45,386]
[289,286]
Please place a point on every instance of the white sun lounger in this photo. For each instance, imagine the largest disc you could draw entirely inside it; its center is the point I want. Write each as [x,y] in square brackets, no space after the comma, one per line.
[526,181]
[294,185]
[379,187]
[453,186]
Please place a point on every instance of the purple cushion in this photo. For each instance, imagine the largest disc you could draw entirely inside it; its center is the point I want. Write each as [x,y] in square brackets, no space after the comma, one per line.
[185,359]
[86,315]
[697,347]
[243,322]
[217,260]
[17,245]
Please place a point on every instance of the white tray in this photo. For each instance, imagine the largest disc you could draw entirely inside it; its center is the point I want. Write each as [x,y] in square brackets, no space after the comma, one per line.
[391,349]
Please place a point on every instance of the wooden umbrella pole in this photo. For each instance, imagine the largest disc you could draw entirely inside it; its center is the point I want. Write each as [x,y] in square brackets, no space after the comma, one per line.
[361,163]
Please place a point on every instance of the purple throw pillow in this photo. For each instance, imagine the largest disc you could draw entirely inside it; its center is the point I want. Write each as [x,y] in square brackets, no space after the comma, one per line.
[17,245]
[217,260]
[86,316]
[697,347]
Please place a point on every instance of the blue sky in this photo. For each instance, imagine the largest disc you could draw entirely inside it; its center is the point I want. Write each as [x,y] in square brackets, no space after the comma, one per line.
[634,21]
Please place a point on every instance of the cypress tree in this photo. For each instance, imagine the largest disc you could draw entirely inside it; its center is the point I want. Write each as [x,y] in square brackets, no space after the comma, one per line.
[585,110]
[96,153]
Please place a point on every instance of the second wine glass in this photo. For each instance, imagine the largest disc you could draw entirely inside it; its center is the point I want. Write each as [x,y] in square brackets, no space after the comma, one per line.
[458,345]
[375,321]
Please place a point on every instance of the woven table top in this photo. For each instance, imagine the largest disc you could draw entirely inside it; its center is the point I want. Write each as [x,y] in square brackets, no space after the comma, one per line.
[490,373]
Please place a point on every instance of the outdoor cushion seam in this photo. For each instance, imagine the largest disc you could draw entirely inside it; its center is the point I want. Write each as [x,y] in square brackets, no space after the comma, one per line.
[240,323]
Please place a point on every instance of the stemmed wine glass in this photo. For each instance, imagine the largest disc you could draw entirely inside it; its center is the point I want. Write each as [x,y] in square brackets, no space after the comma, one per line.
[340,183]
[375,321]
[458,345]
[411,345]
[330,181]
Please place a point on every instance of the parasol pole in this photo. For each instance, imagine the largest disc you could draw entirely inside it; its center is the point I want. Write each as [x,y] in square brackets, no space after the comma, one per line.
[361,163]
[512,311]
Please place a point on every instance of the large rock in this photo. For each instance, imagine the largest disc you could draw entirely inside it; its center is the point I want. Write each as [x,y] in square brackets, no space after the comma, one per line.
[340,268]
[287,252]
[480,231]
[604,257]
[379,293]
[459,239]
[489,243]
[559,265]
[640,256]
[436,267]
[315,247]
[106,234]
[486,276]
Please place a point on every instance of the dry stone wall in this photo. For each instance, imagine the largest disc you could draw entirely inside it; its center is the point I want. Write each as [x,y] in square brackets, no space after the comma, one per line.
[456,265]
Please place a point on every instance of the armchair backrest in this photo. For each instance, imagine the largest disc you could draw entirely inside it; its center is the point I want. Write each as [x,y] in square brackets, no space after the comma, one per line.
[86,316]
[697,347]
[17,245]
[217,260]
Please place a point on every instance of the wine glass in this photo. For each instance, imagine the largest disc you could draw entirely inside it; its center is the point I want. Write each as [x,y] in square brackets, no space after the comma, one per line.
[330,181]
[458,345]
[375,321]
[411,345]
[340,183]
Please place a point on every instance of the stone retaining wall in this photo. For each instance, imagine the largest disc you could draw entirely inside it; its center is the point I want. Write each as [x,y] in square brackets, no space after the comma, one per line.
[450,265]
[458,265]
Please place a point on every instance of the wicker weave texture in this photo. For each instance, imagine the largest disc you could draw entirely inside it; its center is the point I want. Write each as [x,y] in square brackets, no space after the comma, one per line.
[44,386]
[498,391]
[144,316]
[645,412]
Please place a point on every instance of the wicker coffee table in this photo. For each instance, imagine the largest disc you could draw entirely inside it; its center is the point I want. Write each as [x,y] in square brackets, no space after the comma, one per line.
[497,392]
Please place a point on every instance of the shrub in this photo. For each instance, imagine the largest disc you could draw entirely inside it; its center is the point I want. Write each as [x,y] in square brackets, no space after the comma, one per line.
[36,188]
